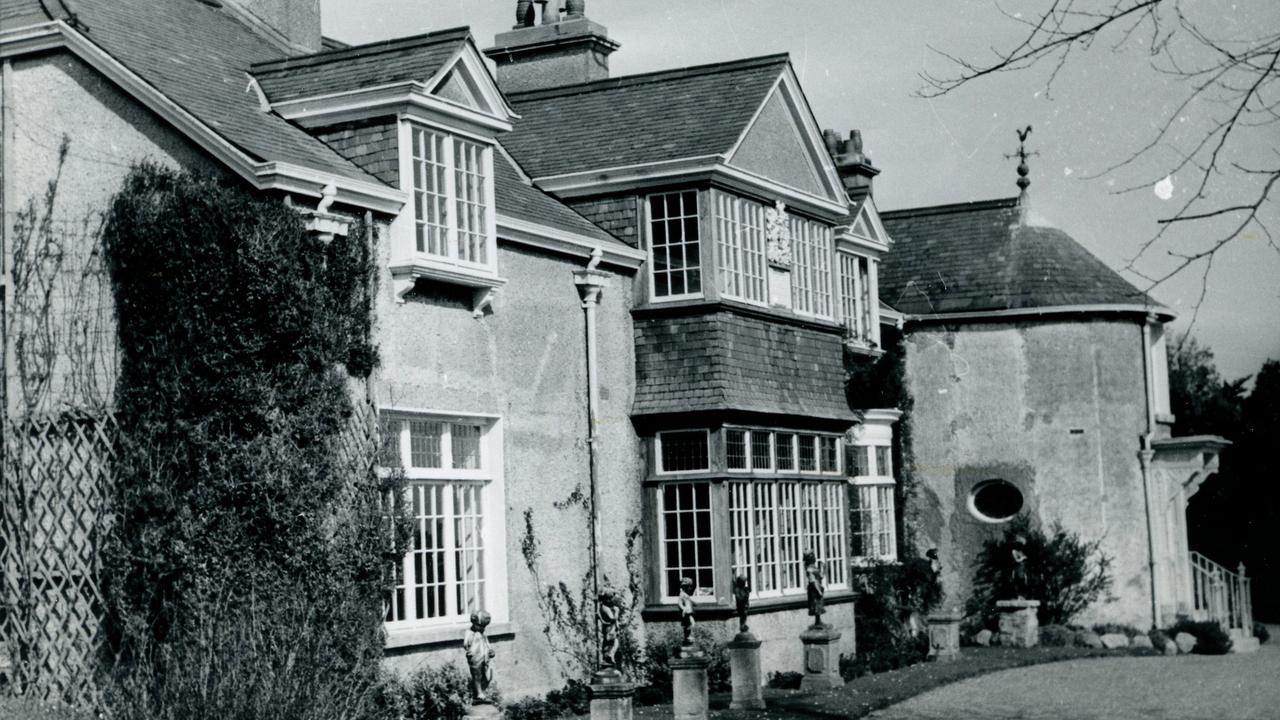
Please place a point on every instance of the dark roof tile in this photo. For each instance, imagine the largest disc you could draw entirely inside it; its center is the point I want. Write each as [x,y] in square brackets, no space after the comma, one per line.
[647,118]
[518,198]
[982,256]
[360,66]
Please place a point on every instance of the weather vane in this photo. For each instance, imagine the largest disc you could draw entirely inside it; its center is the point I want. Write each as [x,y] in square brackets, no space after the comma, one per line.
[1023,181]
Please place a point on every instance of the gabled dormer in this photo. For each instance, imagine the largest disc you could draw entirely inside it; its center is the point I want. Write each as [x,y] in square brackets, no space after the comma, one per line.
[423,114]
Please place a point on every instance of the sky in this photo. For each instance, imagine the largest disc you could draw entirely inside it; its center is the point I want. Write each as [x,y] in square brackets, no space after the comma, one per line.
[859,62]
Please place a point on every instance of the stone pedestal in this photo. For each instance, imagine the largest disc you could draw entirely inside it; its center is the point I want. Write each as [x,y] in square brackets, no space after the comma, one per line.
[483,712]
[821,661]
[944,635]
[610,696]
[689,687]
[744,666]
[1018,623]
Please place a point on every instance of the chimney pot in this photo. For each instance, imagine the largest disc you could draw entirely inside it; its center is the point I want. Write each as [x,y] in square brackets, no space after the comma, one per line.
[558,51]
[575,8]
[831,139]
[524,13]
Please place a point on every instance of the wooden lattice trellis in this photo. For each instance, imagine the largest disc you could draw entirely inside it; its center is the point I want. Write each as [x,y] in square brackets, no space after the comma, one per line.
[56,482]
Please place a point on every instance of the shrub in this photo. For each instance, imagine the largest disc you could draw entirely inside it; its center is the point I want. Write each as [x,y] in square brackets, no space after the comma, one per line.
[891,609]
[1261,632]
[1057,636]
[1158,639]
[1128,631]
[1211,639]
[573,699]
[785,680]
[443,692]
[1064,573]
[655,671]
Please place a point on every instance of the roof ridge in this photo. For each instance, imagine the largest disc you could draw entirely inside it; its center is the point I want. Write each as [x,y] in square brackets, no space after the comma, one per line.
[650,77]
[372,48]
[972,205]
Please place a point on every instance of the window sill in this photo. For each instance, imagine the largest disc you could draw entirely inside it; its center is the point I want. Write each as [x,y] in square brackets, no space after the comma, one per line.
[721,611]
[441,634]
[859,346]
[664,308]
[485,283]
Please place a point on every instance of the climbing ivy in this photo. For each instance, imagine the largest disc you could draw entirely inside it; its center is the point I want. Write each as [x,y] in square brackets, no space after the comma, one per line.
[250,551]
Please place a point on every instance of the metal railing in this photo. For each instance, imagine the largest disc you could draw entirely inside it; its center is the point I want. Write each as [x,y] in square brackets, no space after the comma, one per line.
[1222,595]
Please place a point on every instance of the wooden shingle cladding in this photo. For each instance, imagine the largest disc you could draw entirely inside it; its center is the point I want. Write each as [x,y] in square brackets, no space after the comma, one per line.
[718,359]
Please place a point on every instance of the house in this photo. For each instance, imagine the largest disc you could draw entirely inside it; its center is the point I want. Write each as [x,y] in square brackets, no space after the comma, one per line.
[628,294]
[1039,379]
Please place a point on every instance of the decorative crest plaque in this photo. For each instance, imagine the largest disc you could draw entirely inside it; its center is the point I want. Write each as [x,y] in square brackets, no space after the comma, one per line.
[778,236]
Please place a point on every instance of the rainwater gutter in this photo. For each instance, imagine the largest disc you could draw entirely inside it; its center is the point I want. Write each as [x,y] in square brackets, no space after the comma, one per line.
[591,282]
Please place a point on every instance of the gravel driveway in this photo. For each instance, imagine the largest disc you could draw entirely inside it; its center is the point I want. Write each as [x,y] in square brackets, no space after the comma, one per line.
[1231,687]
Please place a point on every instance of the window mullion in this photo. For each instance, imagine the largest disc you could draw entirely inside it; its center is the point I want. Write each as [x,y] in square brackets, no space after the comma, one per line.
[450,549]
[450,197]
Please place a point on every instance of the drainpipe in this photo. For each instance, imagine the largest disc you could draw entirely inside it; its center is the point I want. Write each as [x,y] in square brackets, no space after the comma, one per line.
[1145,455]
[590,283]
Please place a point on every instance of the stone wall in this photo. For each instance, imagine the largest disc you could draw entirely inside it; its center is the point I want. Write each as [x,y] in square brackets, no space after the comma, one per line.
[1057,408]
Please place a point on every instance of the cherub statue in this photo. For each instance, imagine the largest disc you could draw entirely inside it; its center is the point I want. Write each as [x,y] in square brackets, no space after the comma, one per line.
[816,586]
[479,653]
[742,600]
[609,611]
[1018,576]
[686,611]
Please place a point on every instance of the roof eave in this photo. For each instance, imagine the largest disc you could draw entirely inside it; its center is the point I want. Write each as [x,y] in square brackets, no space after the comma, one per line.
[1162,313]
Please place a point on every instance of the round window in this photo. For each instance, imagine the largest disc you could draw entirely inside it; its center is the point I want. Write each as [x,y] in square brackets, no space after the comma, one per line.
[995,501]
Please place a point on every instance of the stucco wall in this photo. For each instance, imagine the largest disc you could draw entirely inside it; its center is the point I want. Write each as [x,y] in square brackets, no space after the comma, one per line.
[1055,407]
[525,360]
[47,98]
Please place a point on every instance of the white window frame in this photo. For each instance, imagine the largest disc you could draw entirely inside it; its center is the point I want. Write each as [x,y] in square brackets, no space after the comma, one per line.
[787,552]
[876,477]
[488,479]
[813,290]
[702,249]
[657,451]
[859,299]
[749,434]
[449,259]
[702,593]
[741,248]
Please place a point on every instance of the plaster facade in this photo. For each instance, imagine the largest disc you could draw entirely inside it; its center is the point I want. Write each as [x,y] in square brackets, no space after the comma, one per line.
[1055,407]
[525,361]
[48,98]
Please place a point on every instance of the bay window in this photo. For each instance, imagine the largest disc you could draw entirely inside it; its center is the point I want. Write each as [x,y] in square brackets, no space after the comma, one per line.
[450,467]
[778,494]
[452,197]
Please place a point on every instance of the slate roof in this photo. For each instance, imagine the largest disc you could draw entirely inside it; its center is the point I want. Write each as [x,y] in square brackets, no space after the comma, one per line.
[361,66]
[16,13]
[198,56]
[646,118]
[980,256]
[518,198]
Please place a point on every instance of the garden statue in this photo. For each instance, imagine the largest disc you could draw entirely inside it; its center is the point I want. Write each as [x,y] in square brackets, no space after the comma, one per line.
[686,611]
[609,611]
[1018,577]
[476,646]
[742,600]
[816,587]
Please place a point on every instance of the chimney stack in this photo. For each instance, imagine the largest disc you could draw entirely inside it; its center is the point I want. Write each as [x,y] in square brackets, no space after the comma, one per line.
[852,164]
[552,48]
[295,23]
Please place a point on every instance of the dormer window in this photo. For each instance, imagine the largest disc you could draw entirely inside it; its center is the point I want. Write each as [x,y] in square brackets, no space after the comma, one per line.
[452,192]
[857,294]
